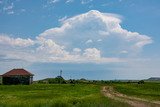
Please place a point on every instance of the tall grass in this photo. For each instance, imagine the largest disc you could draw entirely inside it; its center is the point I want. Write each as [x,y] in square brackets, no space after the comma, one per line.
[148,90]
[57,95]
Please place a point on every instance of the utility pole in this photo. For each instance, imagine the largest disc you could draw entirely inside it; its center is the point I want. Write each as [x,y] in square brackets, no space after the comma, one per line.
[61,73]
[60,77]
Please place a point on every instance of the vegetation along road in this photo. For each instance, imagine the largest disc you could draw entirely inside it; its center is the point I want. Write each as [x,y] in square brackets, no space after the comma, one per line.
[109,92]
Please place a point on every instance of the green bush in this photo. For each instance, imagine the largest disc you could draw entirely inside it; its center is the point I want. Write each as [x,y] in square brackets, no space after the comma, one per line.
[141,82]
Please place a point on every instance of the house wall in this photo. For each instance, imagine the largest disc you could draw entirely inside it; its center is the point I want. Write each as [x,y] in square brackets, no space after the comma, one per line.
[31,80]
[0,79]
[16,80]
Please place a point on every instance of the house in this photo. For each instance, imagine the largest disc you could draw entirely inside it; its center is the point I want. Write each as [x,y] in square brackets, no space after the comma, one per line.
[17,76]
[0,80]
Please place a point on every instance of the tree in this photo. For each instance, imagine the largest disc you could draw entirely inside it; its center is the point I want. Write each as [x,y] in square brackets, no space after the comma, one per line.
[141,82]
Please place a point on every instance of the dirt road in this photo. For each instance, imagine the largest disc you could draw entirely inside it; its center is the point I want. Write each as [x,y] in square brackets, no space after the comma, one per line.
[108,91]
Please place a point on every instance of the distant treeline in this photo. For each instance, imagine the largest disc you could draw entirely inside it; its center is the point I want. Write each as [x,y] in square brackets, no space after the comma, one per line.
[61,80]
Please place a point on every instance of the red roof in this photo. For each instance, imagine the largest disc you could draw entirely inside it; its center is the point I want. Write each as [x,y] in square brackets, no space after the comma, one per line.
[15,72]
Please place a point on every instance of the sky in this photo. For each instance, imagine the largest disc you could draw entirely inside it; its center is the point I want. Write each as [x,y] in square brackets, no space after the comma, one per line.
[92,39]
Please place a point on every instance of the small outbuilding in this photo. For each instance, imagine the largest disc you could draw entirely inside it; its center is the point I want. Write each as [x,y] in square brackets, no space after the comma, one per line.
[17,76]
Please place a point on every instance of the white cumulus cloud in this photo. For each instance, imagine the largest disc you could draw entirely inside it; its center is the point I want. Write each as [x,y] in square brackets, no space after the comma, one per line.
[6,40]
[92,53]
[89,41]
[88,37]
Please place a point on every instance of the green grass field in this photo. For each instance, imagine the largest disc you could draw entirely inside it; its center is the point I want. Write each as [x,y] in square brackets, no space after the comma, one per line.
[51,95]
[68,95]
[148,90]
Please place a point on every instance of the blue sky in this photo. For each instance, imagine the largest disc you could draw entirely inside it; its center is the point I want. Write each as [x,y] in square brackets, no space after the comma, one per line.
[93,39]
